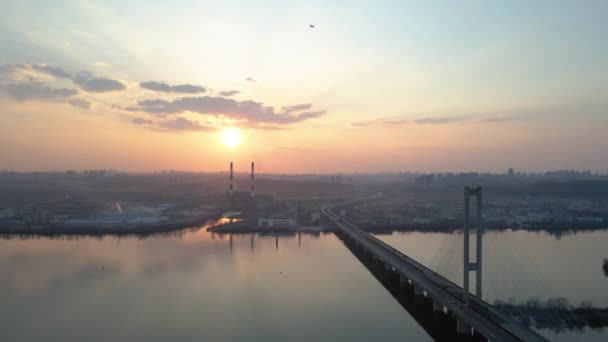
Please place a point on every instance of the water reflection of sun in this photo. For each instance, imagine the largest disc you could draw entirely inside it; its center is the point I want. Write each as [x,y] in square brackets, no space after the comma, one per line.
[200,233]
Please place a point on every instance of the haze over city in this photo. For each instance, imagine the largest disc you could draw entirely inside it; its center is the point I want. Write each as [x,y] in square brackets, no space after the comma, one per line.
[466,86]
[303,171]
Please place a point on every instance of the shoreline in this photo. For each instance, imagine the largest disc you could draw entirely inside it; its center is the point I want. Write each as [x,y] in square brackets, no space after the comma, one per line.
[147,229]
[243,227]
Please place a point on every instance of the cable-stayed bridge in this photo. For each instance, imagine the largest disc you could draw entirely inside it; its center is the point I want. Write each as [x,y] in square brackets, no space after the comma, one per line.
[444,304]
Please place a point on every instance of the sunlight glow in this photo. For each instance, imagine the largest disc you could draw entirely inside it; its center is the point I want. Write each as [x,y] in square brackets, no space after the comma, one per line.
[231,137]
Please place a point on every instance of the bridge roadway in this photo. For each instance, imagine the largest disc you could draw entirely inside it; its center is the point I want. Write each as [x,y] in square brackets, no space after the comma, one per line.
[476,314]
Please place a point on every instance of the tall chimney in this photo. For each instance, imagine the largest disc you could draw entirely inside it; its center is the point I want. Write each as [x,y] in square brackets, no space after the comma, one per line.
[231,186]
[252,180]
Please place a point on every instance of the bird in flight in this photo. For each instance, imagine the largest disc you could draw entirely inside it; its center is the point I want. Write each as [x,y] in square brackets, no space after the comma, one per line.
[311,26]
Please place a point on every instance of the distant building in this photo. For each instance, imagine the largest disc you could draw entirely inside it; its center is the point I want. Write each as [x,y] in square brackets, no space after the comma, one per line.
[315,217]
[511,172]
[276,223]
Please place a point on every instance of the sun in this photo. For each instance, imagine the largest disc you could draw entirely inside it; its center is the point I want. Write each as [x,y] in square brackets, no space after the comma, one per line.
[231,137]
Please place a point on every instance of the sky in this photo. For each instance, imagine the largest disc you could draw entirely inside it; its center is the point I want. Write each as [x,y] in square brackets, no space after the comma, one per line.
[375,86]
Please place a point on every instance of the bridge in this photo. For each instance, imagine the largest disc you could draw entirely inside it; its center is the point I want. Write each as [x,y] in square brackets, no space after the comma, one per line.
[475,319]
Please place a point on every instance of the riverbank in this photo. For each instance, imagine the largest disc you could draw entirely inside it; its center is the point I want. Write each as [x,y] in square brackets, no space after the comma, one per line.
[244,227]
[139,229]
[453,227]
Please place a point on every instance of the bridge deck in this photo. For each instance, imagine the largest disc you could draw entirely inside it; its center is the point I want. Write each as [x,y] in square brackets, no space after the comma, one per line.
[479,315]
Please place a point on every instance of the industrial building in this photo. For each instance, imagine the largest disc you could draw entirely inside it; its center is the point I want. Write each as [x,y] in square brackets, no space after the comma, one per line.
[247,201]
[287,223]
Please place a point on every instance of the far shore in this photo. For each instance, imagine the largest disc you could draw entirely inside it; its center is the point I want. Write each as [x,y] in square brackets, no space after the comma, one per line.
[144,229]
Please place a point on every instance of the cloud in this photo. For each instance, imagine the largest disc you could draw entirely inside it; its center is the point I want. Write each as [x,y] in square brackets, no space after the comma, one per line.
[297,108]
[85,79]
[249,79]
[38,91]
[34,90]
[383,122]
[307,115]
[443,120]
[81,103]
[181,124]
[180,88]
[21,84]
[440,120]
[173,125]
[141,121]
[152,103]
[485,118]
[263,127]
[12,68]
[94,84]
[250,111]
[497,118]
[51,70]
[229,92]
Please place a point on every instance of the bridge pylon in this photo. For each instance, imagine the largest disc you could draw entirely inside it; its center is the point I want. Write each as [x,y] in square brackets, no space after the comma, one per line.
[469,266]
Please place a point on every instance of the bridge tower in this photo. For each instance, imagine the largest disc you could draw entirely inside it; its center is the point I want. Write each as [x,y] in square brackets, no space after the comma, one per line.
[469,266]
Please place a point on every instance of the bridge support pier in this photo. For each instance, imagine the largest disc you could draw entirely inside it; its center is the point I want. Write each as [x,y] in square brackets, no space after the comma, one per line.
[437,306]
[463,328]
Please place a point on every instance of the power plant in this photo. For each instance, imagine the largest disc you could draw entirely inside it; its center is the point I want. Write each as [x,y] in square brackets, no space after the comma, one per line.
[257,210]
[231,186]
[252,180]
[247,202]
[232,193]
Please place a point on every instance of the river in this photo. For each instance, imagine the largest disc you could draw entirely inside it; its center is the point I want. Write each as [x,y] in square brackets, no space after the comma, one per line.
[193,285]
[522,265]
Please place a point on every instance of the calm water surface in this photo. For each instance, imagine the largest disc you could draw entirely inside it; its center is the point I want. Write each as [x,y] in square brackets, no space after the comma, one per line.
[194,285]
[520,265]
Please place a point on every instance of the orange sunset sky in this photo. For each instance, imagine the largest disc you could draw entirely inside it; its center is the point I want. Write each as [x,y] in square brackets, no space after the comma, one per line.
[375,86]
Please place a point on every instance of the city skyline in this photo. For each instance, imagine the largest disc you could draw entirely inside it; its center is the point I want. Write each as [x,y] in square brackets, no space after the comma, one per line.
[421,87]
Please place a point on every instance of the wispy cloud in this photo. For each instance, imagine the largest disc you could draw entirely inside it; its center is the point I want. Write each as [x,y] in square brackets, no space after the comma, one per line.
[20,82]
[141,121]
[167,88]
[37,91]
[297,108]
[94,84]
[434,120]
[173,125]
[9,69]
[382,122]
[85,79]
[229,92]
[80,103]
[31,89]
[440,120]
[248,110]
[497,118]
[51,70]
[250,79]
[181,124]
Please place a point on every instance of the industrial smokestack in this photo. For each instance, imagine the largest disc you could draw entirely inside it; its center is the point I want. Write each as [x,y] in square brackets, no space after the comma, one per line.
[231,186]
[252,180]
